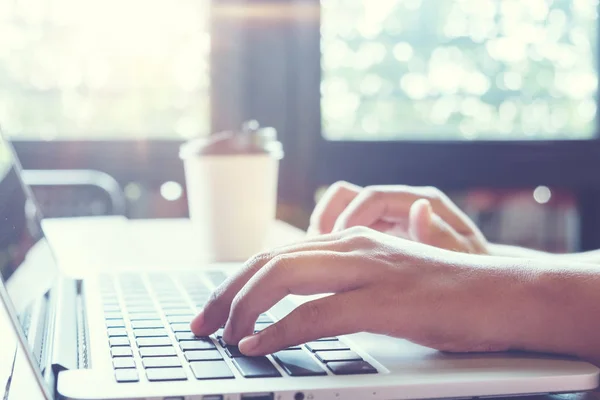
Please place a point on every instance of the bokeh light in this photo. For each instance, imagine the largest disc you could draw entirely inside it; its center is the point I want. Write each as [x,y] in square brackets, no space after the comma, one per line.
[459,69]
[542,194]
[171,191]
[98,69]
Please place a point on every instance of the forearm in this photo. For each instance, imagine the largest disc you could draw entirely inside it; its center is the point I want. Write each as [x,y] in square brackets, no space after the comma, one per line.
[592,257]
[502,250]
[553,307]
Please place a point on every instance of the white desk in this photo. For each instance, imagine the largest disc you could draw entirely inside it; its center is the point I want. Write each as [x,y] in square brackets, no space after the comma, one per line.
[136,244]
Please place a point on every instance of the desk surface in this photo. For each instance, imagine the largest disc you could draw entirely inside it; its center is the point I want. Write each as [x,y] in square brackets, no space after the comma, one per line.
[137,244]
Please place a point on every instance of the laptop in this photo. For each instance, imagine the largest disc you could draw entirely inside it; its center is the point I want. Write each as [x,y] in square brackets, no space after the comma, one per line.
[127,336]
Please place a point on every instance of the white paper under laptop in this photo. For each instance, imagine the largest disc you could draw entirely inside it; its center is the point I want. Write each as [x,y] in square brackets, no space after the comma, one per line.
[127,337]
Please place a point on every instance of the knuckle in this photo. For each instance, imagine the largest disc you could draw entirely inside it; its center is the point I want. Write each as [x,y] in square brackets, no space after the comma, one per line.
[237,305]
[214,301]
[358,231]
[372,193]
[278,330]
[311,313]
[336,189]
[361,237]
[433,193]
[259,260]
[280,264]
[340,186]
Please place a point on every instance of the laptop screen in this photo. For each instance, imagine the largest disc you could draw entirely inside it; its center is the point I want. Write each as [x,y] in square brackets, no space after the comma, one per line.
[27,266]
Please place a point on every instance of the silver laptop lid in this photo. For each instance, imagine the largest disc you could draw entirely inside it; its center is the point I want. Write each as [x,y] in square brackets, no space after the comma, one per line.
[27,267]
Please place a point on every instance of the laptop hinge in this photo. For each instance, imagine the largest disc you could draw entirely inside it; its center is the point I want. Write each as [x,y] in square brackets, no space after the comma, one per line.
[65,341]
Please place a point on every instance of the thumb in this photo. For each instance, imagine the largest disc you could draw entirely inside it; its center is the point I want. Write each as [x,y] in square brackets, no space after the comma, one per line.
[428,228]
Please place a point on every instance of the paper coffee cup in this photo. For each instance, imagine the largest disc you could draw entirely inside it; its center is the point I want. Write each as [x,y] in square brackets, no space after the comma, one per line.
[232,197]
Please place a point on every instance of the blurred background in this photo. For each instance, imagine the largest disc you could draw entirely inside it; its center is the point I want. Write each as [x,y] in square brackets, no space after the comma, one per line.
[492,101]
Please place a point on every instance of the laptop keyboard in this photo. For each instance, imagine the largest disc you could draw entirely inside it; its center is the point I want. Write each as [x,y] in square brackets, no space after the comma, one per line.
[148,328]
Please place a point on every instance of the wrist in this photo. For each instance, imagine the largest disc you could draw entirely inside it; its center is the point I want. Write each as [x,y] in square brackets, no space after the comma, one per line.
[555,309]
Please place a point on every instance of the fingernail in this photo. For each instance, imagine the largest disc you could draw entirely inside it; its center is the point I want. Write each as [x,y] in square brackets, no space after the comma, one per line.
[249,344]
[197,322]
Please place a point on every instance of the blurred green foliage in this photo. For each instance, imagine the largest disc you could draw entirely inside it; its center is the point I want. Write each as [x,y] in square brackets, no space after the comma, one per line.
[104,69]
[459,69]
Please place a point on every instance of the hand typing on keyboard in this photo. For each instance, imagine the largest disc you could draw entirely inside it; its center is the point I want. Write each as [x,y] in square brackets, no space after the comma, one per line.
[384,284]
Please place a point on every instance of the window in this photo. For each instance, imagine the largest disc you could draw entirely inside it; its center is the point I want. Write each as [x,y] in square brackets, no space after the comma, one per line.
[459,69]
[111,69]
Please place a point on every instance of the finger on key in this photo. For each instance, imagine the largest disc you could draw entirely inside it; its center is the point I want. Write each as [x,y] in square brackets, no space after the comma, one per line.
[303,273]
[216,311]
[334,315]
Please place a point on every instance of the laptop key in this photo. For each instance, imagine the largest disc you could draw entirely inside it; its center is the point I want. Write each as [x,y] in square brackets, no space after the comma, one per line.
[178,311]
[146,309]
[123,362]
[153,341]
[233,351]
[256,367]
[144,316]
[326,346]
[165,351]
[298,363]
[174,306]
[161,362]
[147,324]
[203,355]
[113,315]
[351,368]
[138,302]
[180,319]
[115,332]
[211,370]
[327,339]
[121,352]
[264,319]
[185,336]
[329,356]
[198,344]
[166,374]
[181,327]
[126,375]
[118,341]
[115,323]
[149,333]
[140,299]
[259,327]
